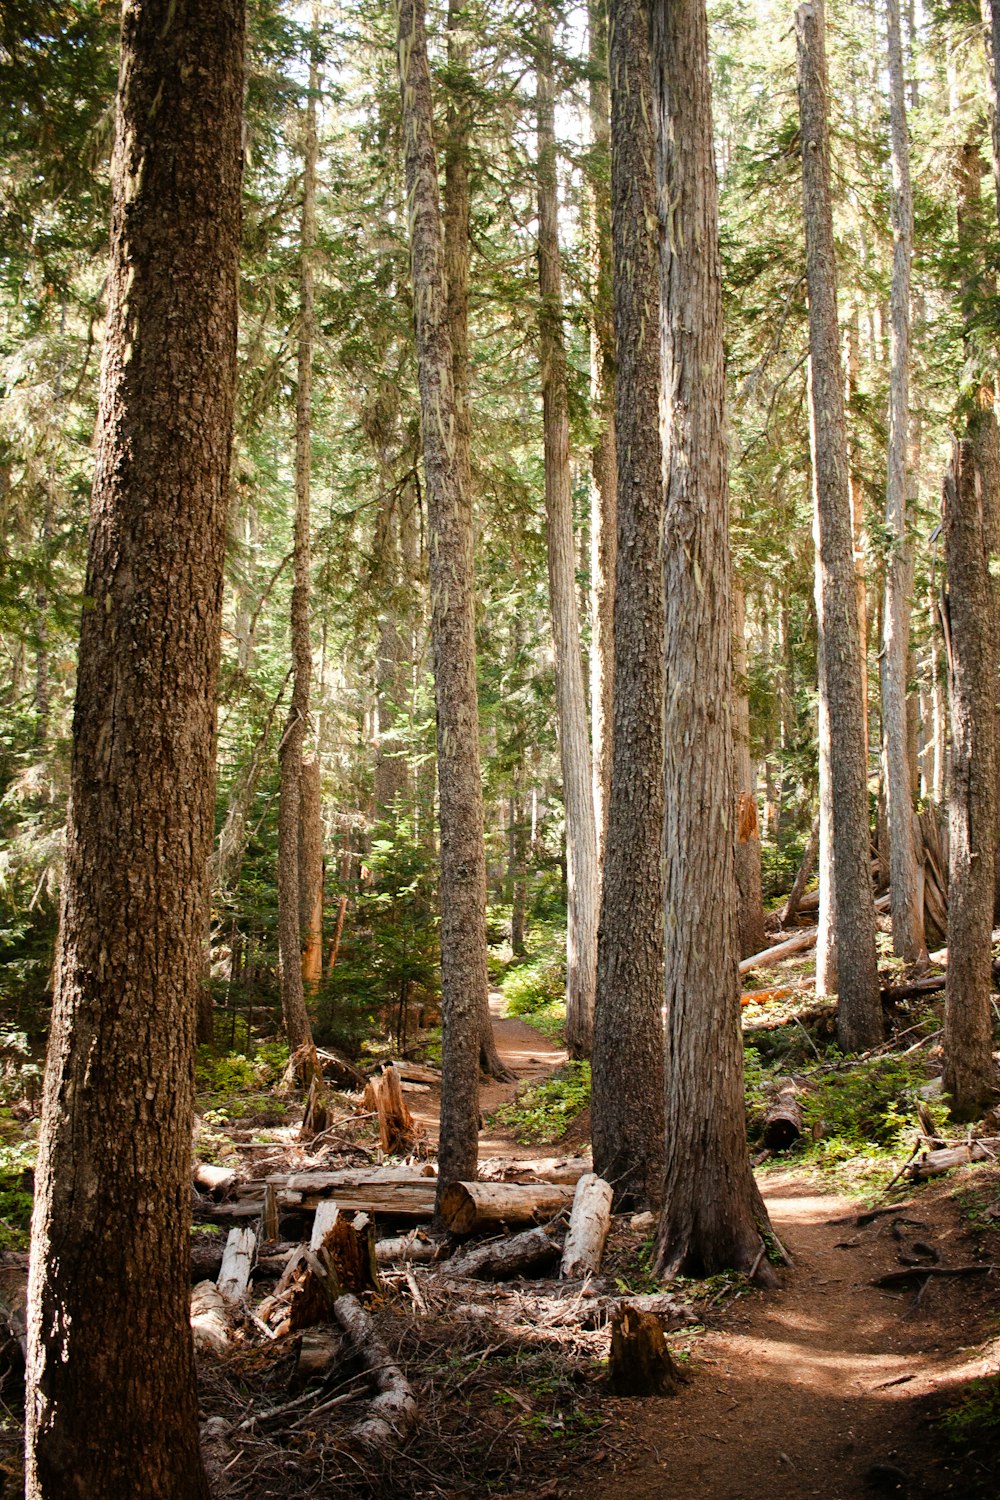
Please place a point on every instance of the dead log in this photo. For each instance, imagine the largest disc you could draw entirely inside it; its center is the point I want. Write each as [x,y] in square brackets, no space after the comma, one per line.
[928,986]
[411,1072]
[589,1224]
[210,1314]
[413,1247]
[467,1206]
[567,1170]
[783,1120]
[517,1255]
[319,1351]
[670,1312]
[237,1261]
[394,1410]
[785,949]
[934,1163]
[640,1363]
[384,1097]
[802,875]
[214,1180]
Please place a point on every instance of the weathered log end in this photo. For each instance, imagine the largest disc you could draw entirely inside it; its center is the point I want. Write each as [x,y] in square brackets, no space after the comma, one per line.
[783,1121]
[640,1363]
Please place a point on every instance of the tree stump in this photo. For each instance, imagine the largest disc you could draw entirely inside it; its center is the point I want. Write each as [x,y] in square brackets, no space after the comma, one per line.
[640,1363]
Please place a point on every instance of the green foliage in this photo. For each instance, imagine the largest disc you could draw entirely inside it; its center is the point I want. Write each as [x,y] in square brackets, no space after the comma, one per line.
[543,1112]
[534,986]
[971,1430]
[868,1106]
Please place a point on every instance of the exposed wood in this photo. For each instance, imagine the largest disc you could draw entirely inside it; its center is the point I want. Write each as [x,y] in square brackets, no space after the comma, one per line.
[269,1218]
[326,1216]
[384,1096]
[411,1072]
[466,1206]
[783,1120]
[320,1350]
[589,1224]
[210,1314]
[797,944]
[516,1255]
[934,1163]
[237,1260]
[408,1247]
[668,1310]
[340,1070]
[394,1410]
[214,1180]
[640,1363]
[546,1169]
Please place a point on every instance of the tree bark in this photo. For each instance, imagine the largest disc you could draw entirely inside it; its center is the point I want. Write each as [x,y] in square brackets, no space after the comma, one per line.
[293,1005]
[449,517]
[713,1213]
[456,253]
[908,940]
[970,521]
[311,872]
[582,883]
[110,1247]
[749,887]
[627,1069]
[603,459]
[844,797]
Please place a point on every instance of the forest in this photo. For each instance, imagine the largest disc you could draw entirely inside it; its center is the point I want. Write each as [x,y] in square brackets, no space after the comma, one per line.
[499,749]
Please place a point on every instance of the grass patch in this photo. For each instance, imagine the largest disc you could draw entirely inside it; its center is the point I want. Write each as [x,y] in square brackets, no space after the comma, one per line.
[542,1112]
[971,1431]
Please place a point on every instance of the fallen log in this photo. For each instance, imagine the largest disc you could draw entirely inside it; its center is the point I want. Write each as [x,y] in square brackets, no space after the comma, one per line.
[934,1163]
[589,1224]
[567,1170]
[783,1120]
[797,944]
[640,1363]
[214,1180]
[516,1255]
[237,1260]
[467,1206]
[413,1247]
[411,1072]
[210,1314]
[394,1410]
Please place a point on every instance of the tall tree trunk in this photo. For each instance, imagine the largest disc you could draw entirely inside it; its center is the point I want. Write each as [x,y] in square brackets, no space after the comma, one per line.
[111,1402]
[904,883]
[603,460]
[311,873]
[713,1214]
[627,1069]
[571,705]
[970,520]
[844,797]
[749,889]
[456,252]
[293,1005]
[449,517]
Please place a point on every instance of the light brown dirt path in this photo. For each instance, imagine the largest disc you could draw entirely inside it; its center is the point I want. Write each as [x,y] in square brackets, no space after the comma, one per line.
[814,1390]
[527,1053]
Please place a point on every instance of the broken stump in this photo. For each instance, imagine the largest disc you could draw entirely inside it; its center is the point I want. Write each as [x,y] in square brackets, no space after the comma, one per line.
[640,1363]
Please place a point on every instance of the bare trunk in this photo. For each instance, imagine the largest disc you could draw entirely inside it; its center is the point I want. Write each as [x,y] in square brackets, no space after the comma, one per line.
[571,704]
[844,796]
[627,1071]
[311,873]
[293,1005]
[908,940]
[750,894]
[449,519]
[110,1271]
[713,1215]
[970,520]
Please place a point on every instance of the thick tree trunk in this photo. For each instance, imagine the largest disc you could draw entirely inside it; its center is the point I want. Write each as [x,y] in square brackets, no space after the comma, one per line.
[293,1005]
[456,252]
[844,796]
[749,888]
[603,459]
[582,880]
[110,1273]
[449,517]
[627,1068]
[713,1214]
[907,904]
[970,520]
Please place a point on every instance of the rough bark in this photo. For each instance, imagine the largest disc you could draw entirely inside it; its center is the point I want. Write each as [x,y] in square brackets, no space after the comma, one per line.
[456,253]
[970,539]
[293,1005]
[844,797]
[908,940]
[311,872]
[627,1065]
[110,1247]
[603,458]
[449,517]
[749,887]
[713,1212]
[582,883]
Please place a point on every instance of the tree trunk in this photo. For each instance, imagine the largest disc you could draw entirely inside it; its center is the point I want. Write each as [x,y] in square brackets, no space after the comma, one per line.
[713,1214]
[582,884]
[844,797]
[449,518]
[627,1068]
[110,1272]
[749,889]
[603,459]
[456,253]
[311,872]
[293,1005]
[970,521]
[908,940]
